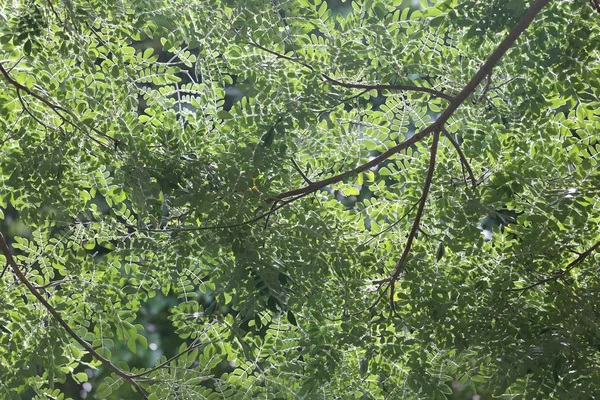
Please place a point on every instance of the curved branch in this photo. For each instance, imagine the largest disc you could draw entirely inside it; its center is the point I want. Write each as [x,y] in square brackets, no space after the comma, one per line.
[54,107]
[462,157]
[417,222]
[562,272]
[24,88]
[313,187]
[469,88]
[195,344]
[15,267]
[404,88]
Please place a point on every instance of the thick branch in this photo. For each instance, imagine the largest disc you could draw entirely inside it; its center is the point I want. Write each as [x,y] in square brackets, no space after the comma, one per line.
[313,187]
[562,272]
[494,58]
[462,157]
[417,222]
[15,267]
[469,88]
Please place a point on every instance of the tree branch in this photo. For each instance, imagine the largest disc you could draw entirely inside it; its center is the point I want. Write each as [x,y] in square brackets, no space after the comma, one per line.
[17,85]
[562,272]
[469,88]
[379,87]
[54,11]
[313,187]
[15,267]
[417,222]
[462,157]
[406,88]
[195,344]
[297,167]
[54,107]
[232,226]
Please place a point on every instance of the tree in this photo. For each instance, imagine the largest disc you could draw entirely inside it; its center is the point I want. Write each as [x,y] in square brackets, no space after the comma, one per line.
[307,185]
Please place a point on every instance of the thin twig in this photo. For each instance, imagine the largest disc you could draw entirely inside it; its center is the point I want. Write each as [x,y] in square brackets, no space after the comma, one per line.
[196,343]
[17,85]
[486,88]
[345,100]
[380,87]
[9,137]
[54,11]
[14,65]
[54,107]
[58,318]
[269,215]
[232,226]
[506,82]
[463,159]
[300,171]
[28,111]
[365,86]
[391,226]
[562,272]
[279,55]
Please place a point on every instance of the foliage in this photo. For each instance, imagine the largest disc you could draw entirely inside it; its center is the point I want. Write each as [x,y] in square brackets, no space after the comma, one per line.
[308,184]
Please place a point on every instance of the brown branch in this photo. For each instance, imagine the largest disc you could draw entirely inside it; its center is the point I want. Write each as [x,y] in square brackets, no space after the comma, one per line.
[469,88]
[417,222]
[297,167]
[54,11]
[15,64]
[493,59]
[15,267]
[313,187]
[379,87]
[195,344]
[562,272]
[462,157]
[54,107]
[232,226]
[17,85]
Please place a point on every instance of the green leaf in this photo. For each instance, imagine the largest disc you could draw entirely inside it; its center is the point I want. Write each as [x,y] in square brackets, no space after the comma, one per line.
[441,250]
[291,318]
[224,115]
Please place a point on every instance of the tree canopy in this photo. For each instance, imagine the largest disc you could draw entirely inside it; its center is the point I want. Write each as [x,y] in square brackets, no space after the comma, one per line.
[361,201]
